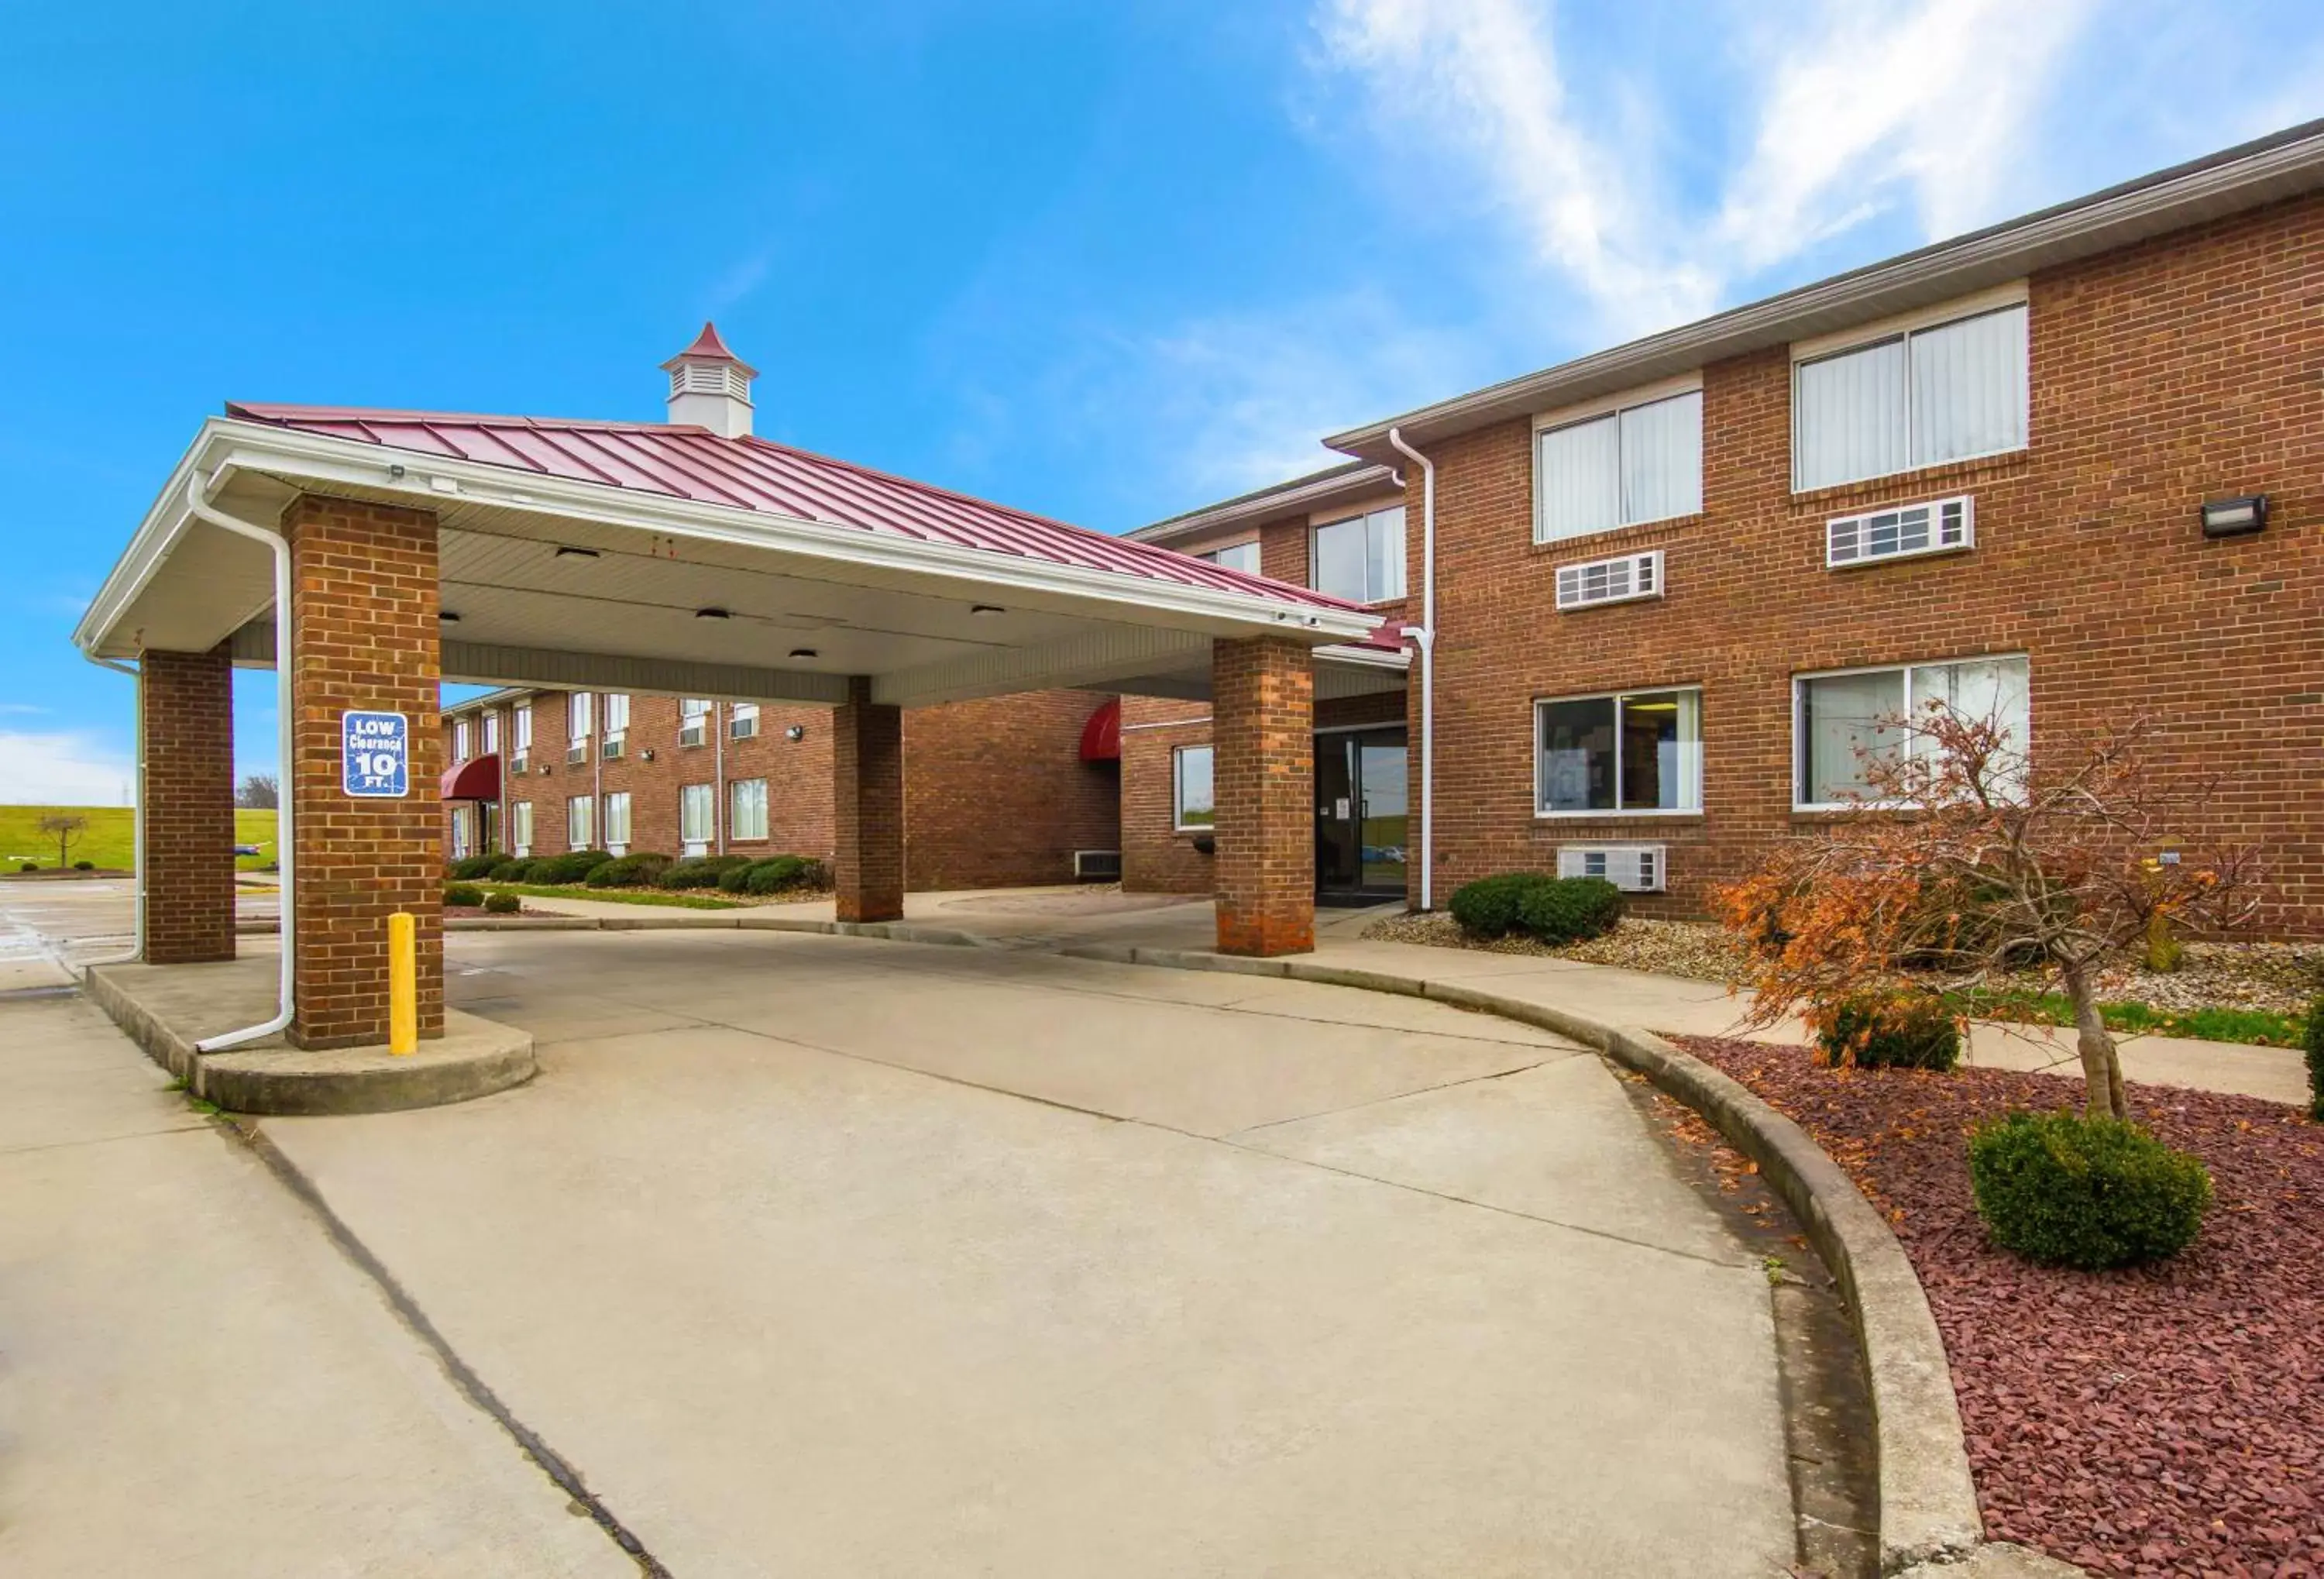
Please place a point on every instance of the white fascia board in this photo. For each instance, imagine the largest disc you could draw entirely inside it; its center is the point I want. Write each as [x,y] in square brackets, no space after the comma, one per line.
[1363,656]
[225,445]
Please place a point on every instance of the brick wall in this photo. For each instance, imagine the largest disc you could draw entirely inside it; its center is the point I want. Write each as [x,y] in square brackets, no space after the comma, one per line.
[2185,367]
[186,711]
[867,863]
[364,635]
[1155,857]
[996,793]
[1263,729]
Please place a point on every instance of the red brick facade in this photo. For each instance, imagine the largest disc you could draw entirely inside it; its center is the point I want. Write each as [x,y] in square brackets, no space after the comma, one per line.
[2183,368]
[186,807]
[363,636]
[996,794]
[867,795]
[1263,727]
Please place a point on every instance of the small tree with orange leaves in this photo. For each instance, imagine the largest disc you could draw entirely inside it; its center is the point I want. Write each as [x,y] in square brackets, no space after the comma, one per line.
[1963,861]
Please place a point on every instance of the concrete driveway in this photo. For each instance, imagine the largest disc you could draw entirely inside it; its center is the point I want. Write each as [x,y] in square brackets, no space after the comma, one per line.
[833,1256]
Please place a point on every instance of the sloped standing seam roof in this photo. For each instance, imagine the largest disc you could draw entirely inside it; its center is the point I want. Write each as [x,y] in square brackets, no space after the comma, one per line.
[681,461]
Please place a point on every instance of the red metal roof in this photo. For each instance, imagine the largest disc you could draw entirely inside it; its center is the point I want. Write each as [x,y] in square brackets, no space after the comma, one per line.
[682,461]
[708,348]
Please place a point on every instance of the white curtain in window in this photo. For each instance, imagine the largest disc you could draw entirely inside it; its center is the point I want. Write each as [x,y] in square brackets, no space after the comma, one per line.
[617,817]
[522,729]
[1578,474]
[750,809]
[1839,718]
[617,712]
[580,823]
[1848,417]
[694,804]
[577,710]
[520,826]
[1968,387]
[1979,689]
[1662,458]
[1384,554]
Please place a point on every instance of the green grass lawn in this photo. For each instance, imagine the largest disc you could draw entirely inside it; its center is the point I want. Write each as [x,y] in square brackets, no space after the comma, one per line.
[110,840]
[2257,1027]
[620,896]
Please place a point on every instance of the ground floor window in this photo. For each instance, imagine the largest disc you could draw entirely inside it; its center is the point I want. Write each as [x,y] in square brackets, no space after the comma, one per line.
[1191,805]
[464,837]
[696,802]
[747,819]
[1628,751]
[580,823]
[521,827]
[1843,722]
[617,817]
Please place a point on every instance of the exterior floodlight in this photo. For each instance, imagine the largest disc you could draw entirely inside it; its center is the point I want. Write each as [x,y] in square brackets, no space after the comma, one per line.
[2235,517]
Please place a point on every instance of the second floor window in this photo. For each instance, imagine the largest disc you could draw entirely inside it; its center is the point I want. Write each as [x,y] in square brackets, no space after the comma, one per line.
[492,732]
[460,740]
[1952,390]
[743,723]
[521,731]
[693,721]
[1635,464]
[1242,557]
[1360,559]
[576,712]
[617,712]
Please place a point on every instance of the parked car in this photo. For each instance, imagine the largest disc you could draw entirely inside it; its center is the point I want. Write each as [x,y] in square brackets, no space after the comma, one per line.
[248,850]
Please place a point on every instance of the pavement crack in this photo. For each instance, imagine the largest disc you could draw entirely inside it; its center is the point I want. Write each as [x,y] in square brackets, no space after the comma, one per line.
[1235,1137]
[104,1140]
[559,1469]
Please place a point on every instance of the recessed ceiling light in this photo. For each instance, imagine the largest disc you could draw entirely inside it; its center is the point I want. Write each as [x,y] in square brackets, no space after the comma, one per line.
[986,608]
[804,652]
[713,612]
[447,616]
[570,552]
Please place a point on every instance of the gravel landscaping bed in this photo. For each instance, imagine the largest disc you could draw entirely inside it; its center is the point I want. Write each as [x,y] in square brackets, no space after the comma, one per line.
[2167,1419]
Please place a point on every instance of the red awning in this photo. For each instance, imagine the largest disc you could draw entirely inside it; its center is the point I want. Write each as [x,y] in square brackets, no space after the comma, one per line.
[477,779]
[1102,735]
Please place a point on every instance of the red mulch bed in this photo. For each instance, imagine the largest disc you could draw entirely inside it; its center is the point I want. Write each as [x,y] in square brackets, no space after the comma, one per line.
[2167,1419]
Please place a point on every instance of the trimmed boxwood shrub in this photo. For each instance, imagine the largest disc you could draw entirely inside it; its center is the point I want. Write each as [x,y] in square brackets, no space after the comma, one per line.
[1888,1030]
[573,866]
[30,866]
[2313,1042]
[84,866]
[639,869]
[1569,909]
[1488,908]
[468,868]
[503,904]
[702,872]
[463,894]
[779,873]
[509,870]
[2086,1193]
[736,879]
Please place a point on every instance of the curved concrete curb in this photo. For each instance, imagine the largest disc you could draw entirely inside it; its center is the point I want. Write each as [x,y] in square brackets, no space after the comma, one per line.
[474,1058]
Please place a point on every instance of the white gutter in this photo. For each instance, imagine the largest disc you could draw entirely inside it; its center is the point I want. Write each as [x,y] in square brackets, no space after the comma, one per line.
[136,821]
[199,506]
[1425,635]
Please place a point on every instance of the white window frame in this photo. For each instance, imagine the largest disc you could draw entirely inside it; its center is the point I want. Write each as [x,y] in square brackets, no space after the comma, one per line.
[1799,699]
[460,739]
[735,824]
[1690,765]
[1573,415]
[521,829]
[617,716]
[1315,531]
[708,800]
[521,731]
[740,713]
[1904,327]
[580,718]
[1178,823]
[1212,555]
[616,800]
[587,806]
[693,715]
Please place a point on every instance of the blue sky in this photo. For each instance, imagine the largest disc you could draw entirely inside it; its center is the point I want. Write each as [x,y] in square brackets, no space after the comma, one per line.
[1105,262]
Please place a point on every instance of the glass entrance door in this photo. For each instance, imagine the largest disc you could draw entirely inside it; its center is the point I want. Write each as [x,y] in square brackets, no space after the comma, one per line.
[1360,820]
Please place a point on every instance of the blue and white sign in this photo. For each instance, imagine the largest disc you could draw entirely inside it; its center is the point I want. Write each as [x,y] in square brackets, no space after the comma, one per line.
[375,754]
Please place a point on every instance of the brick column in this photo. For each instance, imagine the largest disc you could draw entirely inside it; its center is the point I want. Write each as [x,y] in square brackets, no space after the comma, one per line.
[185,720]
[867,803]
[1263,787]
[363,636]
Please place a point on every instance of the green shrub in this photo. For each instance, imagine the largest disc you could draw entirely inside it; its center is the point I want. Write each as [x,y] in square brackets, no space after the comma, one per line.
[573,866]
[1569,909]
[639,870]
[2313,1041]
[463,894]
[1882,1030]
[84,866]
[30,866]
[1488,908]
[509,870]
[468,868]
[777,873]
[503,904]
[736,879]
[702,872]
[2086,1193]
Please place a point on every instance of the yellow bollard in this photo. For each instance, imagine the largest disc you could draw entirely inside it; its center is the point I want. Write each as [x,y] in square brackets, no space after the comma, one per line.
[402,985]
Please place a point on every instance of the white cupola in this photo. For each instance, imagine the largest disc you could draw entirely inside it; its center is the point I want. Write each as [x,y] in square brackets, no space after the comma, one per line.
[710,386]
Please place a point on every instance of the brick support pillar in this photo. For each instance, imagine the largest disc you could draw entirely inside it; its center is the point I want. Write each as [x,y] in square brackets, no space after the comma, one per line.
[867,803]
[1263,787]
[185,719]
[363,637]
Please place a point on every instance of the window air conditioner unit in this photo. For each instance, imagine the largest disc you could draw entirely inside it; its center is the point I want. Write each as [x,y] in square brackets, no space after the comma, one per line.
[743,728]
[1632,868]
[1097,865]
[612,749]
[691,732]
[1624,579]
[1938,527]
[576,754]
[520,763]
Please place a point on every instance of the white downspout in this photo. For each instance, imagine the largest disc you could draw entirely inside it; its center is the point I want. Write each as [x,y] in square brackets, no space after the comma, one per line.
[718,776]
[137,817]
[1425,634]
[198,503]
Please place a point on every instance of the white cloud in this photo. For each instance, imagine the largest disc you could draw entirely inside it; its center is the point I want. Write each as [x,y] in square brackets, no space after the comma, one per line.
[68,768]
